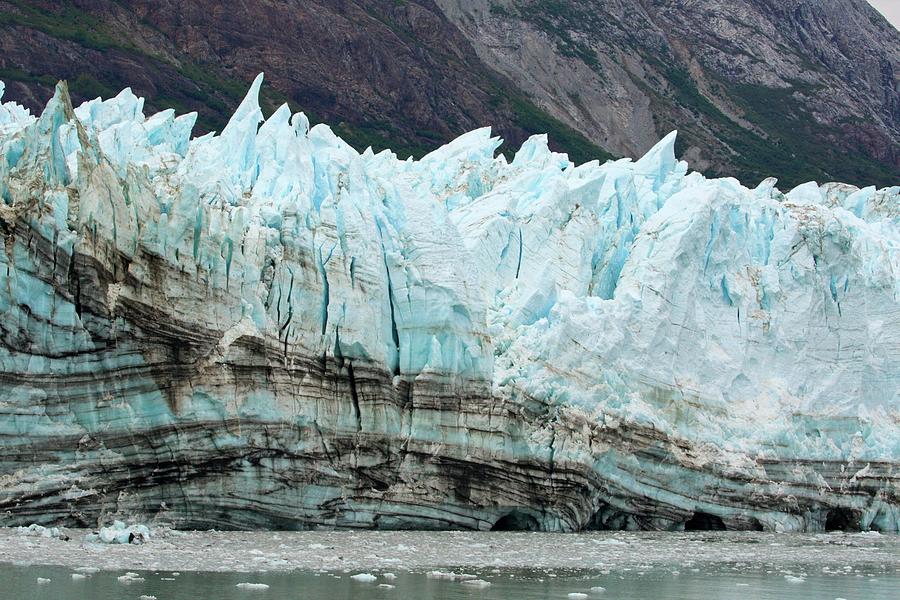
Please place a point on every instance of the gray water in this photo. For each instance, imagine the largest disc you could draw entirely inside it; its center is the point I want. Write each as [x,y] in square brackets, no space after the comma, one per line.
[317,565]
[721,582]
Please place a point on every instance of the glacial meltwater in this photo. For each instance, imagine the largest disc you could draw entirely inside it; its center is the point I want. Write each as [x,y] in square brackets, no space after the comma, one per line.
[721,583]
[419,565]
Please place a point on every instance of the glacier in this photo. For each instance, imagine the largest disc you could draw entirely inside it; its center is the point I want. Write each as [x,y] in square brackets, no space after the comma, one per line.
[264,328]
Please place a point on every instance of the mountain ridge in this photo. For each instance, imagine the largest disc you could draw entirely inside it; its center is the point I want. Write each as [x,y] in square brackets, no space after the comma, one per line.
[798,90]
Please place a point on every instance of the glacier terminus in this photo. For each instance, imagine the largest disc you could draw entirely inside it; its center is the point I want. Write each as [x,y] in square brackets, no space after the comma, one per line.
[264,328]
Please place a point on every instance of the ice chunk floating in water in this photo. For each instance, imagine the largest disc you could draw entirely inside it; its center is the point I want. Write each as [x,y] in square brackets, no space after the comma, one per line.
[266,328]
[119,533]
[252,586]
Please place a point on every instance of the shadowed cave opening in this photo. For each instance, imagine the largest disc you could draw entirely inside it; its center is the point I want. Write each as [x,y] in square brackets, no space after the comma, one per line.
[607,518]
[841,519]
[516,521]
[705,522]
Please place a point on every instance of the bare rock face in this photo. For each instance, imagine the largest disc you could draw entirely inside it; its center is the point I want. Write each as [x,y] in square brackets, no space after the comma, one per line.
[750,84]
[265,328]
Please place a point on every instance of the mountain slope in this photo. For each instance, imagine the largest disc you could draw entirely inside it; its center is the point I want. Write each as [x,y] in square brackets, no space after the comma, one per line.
[797,89]
[802,90]
[381,71]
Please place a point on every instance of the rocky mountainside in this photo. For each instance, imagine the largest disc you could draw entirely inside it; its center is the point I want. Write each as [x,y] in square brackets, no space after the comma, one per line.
[382,72]
[806,90]
[799,89]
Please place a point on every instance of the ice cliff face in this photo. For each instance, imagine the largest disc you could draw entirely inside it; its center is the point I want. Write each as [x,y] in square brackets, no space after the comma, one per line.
[264,328]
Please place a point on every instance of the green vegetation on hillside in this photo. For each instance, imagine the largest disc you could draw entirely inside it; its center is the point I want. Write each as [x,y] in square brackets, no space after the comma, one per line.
[560,19]
[791,149]
[65,24]
[795,146]
[534,120]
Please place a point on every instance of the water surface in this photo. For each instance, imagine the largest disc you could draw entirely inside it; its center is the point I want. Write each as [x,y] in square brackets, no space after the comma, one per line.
[320,565]
[21,582]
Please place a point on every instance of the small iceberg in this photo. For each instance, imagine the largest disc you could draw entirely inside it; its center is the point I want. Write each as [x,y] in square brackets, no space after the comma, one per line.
[36,530]
[258,587]
[119,533]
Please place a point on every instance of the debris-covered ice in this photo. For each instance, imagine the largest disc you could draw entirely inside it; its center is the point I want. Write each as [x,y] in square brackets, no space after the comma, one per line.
[120,533]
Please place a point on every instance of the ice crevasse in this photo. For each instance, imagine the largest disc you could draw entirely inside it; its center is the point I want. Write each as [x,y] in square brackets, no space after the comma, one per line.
[265,328]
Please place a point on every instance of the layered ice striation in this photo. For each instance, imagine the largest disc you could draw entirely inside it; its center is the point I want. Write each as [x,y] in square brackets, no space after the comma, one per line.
[266,328]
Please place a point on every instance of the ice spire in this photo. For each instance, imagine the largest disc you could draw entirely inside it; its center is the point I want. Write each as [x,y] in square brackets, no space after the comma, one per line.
[43,143]
[238,139]
[659,160]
